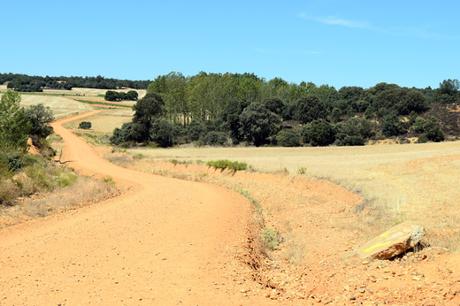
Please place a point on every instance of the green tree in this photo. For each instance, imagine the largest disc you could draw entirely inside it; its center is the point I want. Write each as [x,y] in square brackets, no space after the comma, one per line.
[214,138]
[309,108]
[128,134]
[231,119]
[391,126]
[195,130]
[319,133]
[449,87]
[132,95]
[39,118]
[163,133]
[411,101]
[288,138]
[146,111]
[14,127]
[275,105]
[428,128]
[258,124]
[354,131]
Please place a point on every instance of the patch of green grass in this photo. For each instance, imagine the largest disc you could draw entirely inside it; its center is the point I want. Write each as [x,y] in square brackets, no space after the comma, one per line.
[65,179]
[36,174]
[109,181]
[224,164]
[271,239]
[94,138]
[179,162]
[52,94]
[103,103]
[54,138]
[250,198]
[138,156]
[302,171]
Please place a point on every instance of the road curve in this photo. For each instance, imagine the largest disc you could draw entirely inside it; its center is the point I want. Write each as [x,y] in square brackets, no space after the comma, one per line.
[164,242]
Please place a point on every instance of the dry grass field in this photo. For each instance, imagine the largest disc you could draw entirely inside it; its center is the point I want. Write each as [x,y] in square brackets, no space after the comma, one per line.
[106,121]
[61,106]
[64,103]
[415,182]
[89,92]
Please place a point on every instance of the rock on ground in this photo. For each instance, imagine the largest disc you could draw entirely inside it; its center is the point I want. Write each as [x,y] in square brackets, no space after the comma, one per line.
[393,242]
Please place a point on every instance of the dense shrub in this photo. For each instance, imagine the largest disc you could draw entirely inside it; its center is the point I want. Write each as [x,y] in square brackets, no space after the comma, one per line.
[225,164]
[215,138]
[434,132]
[428,128]
[288,138]
[39,118]
[163,133]
[354,132]
[25,85]
[196,130]
[391,126]
[128,134]
[271,239]
[275,105]
[422,139]
[319,133]
[9,191]
[258,124]
[351,140]
[111,95]
[32,174]
[148,109]
[231,121]
[14,126]
[85,125]
[310,108]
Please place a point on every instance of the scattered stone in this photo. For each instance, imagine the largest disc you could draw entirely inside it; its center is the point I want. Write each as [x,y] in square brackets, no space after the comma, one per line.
[395,241]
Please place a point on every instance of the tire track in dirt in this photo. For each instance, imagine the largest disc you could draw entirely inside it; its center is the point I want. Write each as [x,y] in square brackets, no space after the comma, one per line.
[164,242]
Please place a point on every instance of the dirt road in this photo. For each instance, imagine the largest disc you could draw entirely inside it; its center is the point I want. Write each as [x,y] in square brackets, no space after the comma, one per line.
[164,242]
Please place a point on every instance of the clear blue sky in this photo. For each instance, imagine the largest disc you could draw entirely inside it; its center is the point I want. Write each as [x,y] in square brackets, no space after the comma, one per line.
[339,42]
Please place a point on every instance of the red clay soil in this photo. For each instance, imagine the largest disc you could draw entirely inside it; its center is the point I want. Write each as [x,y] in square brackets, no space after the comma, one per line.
[164,242]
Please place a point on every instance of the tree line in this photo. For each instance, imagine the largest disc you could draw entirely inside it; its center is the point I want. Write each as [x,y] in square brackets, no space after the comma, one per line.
[228,109]
[26,83]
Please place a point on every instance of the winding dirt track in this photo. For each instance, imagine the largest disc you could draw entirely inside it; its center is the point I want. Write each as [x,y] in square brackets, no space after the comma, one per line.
[164,242]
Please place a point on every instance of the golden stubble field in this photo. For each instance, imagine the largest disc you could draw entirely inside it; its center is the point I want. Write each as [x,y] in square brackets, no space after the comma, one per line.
[106,121]
[61,106]
[66,102]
